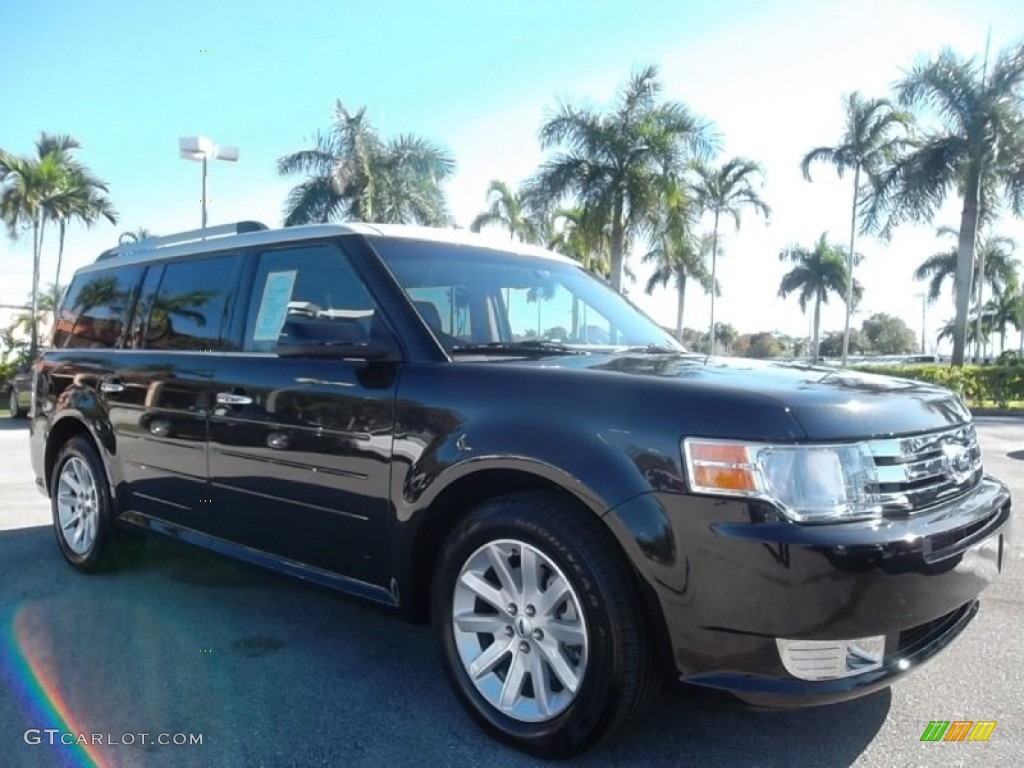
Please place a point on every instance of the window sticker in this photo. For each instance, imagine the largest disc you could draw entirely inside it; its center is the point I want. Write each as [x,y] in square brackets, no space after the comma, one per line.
[277,293]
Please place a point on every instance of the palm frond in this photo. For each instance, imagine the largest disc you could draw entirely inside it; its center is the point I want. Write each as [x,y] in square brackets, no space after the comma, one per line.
[312,201]
[833,155]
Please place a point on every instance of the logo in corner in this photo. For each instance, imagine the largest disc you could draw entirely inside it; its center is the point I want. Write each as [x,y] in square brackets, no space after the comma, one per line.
[958,730]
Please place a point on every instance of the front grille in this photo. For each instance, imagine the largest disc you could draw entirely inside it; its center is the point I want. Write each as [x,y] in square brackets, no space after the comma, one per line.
[911,639]
[914,473]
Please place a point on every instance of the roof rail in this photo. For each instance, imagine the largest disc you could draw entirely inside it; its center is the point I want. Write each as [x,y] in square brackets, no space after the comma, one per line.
[152,243]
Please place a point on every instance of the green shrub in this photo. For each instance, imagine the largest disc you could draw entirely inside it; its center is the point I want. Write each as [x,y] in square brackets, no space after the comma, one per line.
[977,384]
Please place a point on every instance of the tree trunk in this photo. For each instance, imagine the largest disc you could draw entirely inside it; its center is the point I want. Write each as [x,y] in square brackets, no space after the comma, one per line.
[618,240]
[817,325]
[714,272]
[37,248]
[60,258]
[980,257]
[681,288]
[849,264]
[965,264]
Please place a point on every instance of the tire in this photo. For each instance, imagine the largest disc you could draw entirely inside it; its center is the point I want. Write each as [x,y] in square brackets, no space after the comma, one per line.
[16,410]
[592,639]
[83,512]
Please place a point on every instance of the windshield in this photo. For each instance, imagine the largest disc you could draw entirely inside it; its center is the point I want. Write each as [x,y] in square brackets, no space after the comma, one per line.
[471,296]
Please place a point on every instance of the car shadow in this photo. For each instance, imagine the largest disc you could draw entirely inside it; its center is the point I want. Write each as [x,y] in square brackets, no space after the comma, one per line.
[680,726]
[1015,455]
[272,670]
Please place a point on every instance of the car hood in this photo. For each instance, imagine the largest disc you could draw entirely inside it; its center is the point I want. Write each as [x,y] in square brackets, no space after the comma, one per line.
[827,403]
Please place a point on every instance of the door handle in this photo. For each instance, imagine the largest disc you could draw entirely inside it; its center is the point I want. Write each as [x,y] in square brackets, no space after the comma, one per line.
[110,386]
[232,398]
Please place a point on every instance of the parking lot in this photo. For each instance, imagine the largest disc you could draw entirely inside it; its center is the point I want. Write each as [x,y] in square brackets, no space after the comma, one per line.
[273,672]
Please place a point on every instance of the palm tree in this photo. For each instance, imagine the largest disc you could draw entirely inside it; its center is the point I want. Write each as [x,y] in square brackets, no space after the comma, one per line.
[82,196]
[726,191]
[51,186]
[999,264]
[46,305]
[976,153]
[818,271]
[136,235]
[354,175]
[582,236]
[676,253]
[509,210]
[870,142]
[1006,308]
[611,162]
[28,184]
[948,331]
[726,335]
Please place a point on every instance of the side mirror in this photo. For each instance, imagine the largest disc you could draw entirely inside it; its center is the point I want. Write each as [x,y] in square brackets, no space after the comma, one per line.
[341,339]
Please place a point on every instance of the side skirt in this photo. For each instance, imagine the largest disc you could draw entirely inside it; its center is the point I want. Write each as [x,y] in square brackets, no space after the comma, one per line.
[263,559]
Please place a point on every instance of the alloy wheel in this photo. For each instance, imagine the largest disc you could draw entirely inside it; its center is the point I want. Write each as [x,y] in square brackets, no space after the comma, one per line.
[519,630]
[78,506]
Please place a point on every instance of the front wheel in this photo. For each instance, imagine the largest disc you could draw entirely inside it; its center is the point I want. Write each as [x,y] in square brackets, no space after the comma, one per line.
[538,625]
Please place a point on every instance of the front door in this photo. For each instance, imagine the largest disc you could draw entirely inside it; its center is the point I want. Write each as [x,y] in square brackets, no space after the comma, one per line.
[300,447]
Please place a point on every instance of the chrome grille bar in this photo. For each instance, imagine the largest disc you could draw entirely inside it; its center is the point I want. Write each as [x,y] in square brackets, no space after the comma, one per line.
[914,473]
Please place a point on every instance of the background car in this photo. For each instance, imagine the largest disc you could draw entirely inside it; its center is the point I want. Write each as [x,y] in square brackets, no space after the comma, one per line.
[20,394]
[17,391]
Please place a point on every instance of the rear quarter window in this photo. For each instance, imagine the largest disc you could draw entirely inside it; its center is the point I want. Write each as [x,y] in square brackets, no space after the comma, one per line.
[96,308]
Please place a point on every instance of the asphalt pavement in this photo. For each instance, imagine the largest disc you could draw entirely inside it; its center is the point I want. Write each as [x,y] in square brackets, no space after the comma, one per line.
[268,671]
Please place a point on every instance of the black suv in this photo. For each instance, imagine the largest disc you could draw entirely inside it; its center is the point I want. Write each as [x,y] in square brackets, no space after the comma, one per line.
[487,436]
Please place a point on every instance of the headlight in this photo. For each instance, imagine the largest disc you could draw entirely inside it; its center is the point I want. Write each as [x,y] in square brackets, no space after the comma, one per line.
[809,483]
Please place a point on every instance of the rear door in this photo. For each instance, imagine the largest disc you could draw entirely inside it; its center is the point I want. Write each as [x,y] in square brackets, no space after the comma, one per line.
[160,392]
[300,447]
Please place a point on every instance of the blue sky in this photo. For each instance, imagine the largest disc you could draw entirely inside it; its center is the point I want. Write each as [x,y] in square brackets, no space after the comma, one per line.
[127,79]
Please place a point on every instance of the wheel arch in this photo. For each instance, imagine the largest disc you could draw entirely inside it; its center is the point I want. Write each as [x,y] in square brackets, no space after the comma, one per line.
[70,425]
[432,522]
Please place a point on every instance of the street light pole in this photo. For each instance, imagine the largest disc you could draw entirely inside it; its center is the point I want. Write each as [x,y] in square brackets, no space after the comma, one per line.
[204,190]
[201,149]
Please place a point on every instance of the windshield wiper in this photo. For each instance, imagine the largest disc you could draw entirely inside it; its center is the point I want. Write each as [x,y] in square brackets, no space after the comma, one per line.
[527,347]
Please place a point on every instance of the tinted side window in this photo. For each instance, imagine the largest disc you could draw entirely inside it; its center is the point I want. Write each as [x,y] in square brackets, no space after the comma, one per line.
[96,308]
[188,309]
[311,294]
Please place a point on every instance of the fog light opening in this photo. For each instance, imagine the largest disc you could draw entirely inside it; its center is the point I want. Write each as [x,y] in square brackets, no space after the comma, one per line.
[831,659]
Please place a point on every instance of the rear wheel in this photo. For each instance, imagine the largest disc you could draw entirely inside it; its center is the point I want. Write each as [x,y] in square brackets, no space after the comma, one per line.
[83,511]
[538,625]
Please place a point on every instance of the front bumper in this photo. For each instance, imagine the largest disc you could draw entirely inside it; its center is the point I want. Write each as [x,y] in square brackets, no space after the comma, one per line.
[727,578]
